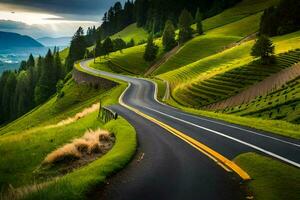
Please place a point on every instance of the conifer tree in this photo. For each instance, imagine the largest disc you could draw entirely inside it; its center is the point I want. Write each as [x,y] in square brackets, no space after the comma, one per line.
[264,49]
[168,38]
[150,50]
[185,30]
[108,46]
[198,19]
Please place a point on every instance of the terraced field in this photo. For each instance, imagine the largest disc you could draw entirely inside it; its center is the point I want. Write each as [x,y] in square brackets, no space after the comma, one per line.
[223,85]
[281,104]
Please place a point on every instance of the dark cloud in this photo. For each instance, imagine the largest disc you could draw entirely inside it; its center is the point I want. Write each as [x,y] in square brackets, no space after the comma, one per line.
[69,9]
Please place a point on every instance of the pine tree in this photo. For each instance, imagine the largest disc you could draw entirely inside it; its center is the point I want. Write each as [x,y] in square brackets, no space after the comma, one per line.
[22,100]
[47,83]
[99,48]
[8,96]
[108,46]
[150,50]
[264,49]
[185,30]
[77,49]
[198,19]
[168,38]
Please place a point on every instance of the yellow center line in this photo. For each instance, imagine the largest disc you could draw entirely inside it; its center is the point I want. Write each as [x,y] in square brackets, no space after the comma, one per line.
[224,162]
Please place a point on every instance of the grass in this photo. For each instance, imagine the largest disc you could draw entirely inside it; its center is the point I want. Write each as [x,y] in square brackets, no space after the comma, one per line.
[283,104]
[64,54]
[128,61]
[272,180]
[132,32]
[224,85]
[220,31]
[26,142]
[195,49]
[240,11]
[76,98]
[76,184]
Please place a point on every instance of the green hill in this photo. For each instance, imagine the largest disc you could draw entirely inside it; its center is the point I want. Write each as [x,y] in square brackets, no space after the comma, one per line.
[132,32]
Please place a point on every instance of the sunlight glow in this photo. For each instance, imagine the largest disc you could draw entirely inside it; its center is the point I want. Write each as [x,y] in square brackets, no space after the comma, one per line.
[32,18]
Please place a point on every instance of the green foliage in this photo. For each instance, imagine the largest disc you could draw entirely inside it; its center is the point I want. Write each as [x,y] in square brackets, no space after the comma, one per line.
[168,38]
[119,44]
[131,43]
[77,49]
[108,46]
[198,19]
[59,87]
[281,19]
[151,50]
[263,48]
[184,24]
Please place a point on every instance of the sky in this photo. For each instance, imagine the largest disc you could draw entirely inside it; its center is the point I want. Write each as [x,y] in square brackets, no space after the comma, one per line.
[54,18]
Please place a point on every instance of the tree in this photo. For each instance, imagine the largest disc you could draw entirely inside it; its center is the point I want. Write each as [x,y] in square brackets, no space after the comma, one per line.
[198,19]
[264,49]
[119,44]
[131,43]
[8,96]
[22,101]
[47,83]
[99,48]
[150,50]
[77,49]
[108,46]
[185,30]
[168,38]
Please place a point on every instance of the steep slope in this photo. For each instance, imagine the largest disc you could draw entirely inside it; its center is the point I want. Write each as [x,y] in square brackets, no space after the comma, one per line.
[227,28]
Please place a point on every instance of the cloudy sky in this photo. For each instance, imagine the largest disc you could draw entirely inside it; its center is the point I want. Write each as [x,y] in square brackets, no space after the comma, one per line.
[39,18]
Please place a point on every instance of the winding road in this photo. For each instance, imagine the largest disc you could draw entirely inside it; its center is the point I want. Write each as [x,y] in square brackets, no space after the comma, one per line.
[182,156]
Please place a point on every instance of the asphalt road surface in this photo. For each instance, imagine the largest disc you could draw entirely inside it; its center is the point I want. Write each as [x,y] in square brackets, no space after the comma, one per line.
[166,167]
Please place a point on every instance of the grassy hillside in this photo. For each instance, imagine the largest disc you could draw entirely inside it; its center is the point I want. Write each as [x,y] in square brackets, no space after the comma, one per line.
[220,31]
[223,85]
[241,10]
[224,61]
[132,32]
[76,98]
[25,142]
[130,60]
[283,104]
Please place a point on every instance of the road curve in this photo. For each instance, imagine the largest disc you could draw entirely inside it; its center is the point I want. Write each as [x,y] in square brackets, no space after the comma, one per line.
[170,168]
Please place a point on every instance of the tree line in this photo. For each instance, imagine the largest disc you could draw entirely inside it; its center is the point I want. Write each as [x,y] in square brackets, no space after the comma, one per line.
[153,14]
[281,19]
[31,85]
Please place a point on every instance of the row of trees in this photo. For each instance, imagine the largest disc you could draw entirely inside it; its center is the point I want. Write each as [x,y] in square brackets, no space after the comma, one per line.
[153,14]
[169,37]
[31,85]
[282,19]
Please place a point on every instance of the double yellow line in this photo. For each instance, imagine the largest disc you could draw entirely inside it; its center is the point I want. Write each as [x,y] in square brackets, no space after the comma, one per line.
[227,164]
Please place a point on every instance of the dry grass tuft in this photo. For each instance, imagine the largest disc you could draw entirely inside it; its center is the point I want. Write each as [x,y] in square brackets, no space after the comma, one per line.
[93,142]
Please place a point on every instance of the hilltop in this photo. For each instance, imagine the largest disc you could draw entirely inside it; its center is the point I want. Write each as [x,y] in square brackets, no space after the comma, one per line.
[13,40]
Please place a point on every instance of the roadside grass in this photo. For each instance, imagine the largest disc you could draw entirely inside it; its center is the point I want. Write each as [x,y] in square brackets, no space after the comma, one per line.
[272,126]
[76,184]
[272,179]
[132,32]
[75,99]
[25,148]
[161,88]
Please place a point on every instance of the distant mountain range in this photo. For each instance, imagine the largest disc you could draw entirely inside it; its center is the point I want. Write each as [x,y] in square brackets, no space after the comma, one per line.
[13,40]
[50,42]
